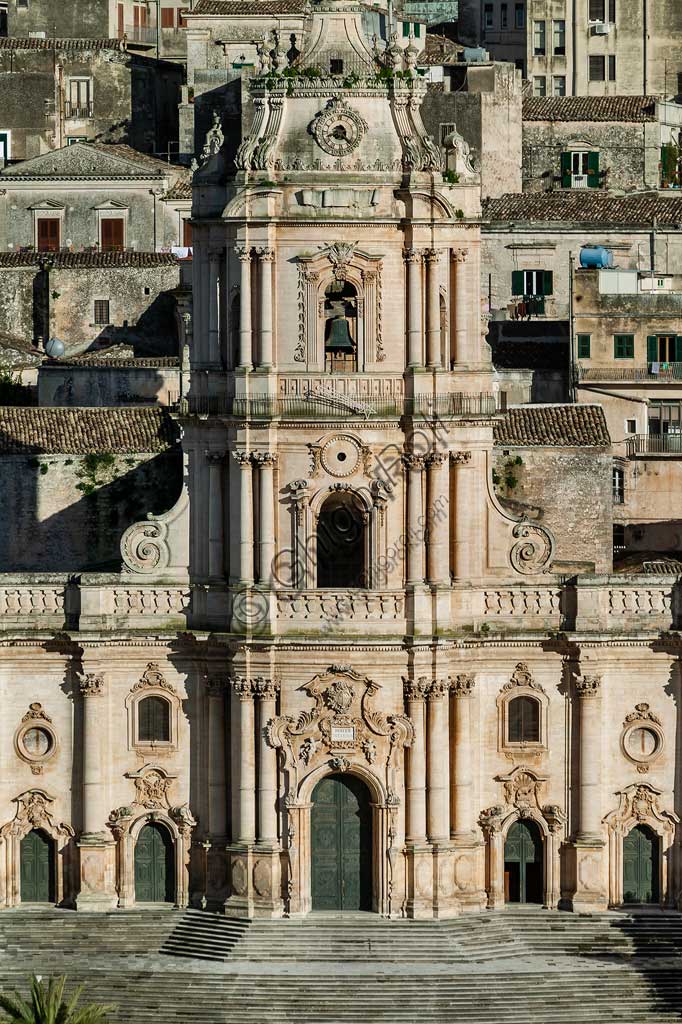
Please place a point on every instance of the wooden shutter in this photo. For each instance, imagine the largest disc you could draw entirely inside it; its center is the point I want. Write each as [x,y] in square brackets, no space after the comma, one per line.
[112,234]
[652,349]
[153,720]
[517,282]
[678,349]
[547,282]
[593,170]
[514,711]
[167,17]
[187,232]
[121,23]
[136,16]
[48,234]
[565,170]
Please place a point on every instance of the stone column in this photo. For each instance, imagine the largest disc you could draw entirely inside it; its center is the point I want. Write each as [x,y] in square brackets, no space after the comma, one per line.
[216,562]
[415,520]
[438,548]
[469,542]
[433,349]
[415,695]
[437,764]
[245,518]
[246,822]
[462,822]
[414,308]
[267,690]
[245,346]
[267,258]
[96,848]
[266,527]
[214,260]
[217,766]
[460,354]
[588,690]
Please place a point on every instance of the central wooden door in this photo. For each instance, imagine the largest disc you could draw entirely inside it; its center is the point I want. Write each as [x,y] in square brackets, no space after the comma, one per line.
[154,865]
[341,845]
[640,866]
[37,868]
[524,880]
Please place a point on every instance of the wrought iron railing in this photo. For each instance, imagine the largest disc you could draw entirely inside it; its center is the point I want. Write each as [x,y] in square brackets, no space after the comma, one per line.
[654,444]
[651,372]
[337,406]
[82,110]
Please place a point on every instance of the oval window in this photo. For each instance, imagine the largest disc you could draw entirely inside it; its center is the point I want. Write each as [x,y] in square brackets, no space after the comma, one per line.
[37,742]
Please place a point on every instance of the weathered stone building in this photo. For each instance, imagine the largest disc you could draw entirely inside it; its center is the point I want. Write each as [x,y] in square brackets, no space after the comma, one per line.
[353,667]
[62,90]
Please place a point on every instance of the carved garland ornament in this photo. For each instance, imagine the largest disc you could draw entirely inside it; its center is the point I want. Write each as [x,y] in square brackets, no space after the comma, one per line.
[338,129]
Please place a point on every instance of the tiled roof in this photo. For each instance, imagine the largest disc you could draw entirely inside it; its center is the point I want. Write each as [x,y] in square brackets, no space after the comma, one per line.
[84,431]
[228,8]
[585,206]
[552,426]
[64,260]
[589,108]
[128,153]
[180,190]
[437,50]
[15,43]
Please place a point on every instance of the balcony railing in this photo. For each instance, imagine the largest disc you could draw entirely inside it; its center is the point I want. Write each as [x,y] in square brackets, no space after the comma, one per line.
[655,444]
[81,110]
[662,372]
[338,406]
[139,33]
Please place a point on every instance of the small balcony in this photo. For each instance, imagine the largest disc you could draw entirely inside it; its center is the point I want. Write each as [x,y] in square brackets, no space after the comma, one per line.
[139,34]
[651,372]
[654,444]
[81,111]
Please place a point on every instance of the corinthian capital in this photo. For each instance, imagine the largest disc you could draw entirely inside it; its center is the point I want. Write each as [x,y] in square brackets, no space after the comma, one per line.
[242,687]
[243,253]
[416,689]
[411,255]
[413,461]
[91,684]
[265,458]
[266,688]
[588,686]
[462,685]
[432,255]
[265,254]
[460,458]
[242,458]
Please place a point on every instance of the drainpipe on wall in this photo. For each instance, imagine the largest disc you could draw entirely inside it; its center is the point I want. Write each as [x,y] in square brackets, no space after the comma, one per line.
[572,364]
[59,106]
[645,30]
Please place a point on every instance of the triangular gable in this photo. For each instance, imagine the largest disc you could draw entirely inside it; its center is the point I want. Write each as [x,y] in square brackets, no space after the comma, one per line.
[110,204]
[79,161]
[47,204]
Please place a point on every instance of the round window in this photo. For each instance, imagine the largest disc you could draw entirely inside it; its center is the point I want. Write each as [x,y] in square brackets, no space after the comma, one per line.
[641,743]
[37,742]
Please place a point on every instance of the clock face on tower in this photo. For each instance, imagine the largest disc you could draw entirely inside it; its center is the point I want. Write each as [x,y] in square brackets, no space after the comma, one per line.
[338,129]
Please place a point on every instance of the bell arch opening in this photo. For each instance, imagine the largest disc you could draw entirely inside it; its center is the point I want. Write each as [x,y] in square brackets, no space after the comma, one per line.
[341,547]
[341,327]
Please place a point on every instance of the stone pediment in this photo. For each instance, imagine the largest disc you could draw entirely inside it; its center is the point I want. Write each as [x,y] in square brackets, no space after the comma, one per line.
[80,161]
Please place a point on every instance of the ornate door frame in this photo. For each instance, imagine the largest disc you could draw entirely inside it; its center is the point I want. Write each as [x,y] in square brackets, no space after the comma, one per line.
[35,810]
[639,804]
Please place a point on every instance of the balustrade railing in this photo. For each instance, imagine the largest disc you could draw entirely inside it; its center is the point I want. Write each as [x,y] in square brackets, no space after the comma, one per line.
[654,444]
[662,372]
[337,406]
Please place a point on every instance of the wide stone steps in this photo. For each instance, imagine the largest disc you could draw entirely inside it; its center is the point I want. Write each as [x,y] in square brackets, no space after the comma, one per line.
[63,932]
[544,998]
[478,938]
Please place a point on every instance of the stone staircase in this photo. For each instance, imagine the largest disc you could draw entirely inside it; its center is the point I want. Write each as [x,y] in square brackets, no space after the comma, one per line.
[515,966]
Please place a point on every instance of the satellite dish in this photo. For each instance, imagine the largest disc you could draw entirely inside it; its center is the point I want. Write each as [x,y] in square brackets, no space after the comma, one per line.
[54,348]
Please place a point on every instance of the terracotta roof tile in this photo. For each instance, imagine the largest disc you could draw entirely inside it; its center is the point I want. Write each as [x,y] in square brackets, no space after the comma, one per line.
[118,362]
[228,8]
[585,206]
[65,260]
[589,108]
[16,43]
[437,50]
[83,431]
[180,190]
[552,426]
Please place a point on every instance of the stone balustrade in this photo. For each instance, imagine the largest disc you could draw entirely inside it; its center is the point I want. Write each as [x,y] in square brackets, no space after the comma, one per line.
[341,610]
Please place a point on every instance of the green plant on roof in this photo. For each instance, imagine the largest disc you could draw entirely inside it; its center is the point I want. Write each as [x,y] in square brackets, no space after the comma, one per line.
[46,1004]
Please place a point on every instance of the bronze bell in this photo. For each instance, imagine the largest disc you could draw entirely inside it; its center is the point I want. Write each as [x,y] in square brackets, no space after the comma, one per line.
[338,336]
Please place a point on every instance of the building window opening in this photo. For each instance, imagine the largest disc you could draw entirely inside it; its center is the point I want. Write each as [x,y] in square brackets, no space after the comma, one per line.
[153,720]
[336,66]
[102,312]
[340,329]
[618,538]
[341,542]
[618,486]
[524,720]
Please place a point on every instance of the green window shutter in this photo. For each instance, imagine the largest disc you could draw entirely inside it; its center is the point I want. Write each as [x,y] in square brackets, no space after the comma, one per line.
[547,282]
[584,346]
[517,282]
[593,170]
[652,349]
[565,170]
[406,29]
[678,349]
[417,31]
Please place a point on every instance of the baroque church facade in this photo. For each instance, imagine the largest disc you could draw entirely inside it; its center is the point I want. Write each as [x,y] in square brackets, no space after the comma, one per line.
[340,673]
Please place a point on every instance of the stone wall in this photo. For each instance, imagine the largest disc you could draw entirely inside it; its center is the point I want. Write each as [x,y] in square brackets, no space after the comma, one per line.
[566,490]
[74,385]
[629,153]
[66,513]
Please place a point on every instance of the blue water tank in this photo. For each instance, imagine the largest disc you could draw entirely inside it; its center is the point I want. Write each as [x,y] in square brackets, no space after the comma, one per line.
[596,257]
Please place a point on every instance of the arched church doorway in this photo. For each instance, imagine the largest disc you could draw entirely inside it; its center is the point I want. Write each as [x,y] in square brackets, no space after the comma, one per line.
[640,866]
[523,864]
[341,542]
[154,865]
[37,868]
[341,844]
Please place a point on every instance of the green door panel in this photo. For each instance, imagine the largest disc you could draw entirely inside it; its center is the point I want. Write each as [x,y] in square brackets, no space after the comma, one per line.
[640,866]
[341,845]
[37,868]
[154,864]
[523,858]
